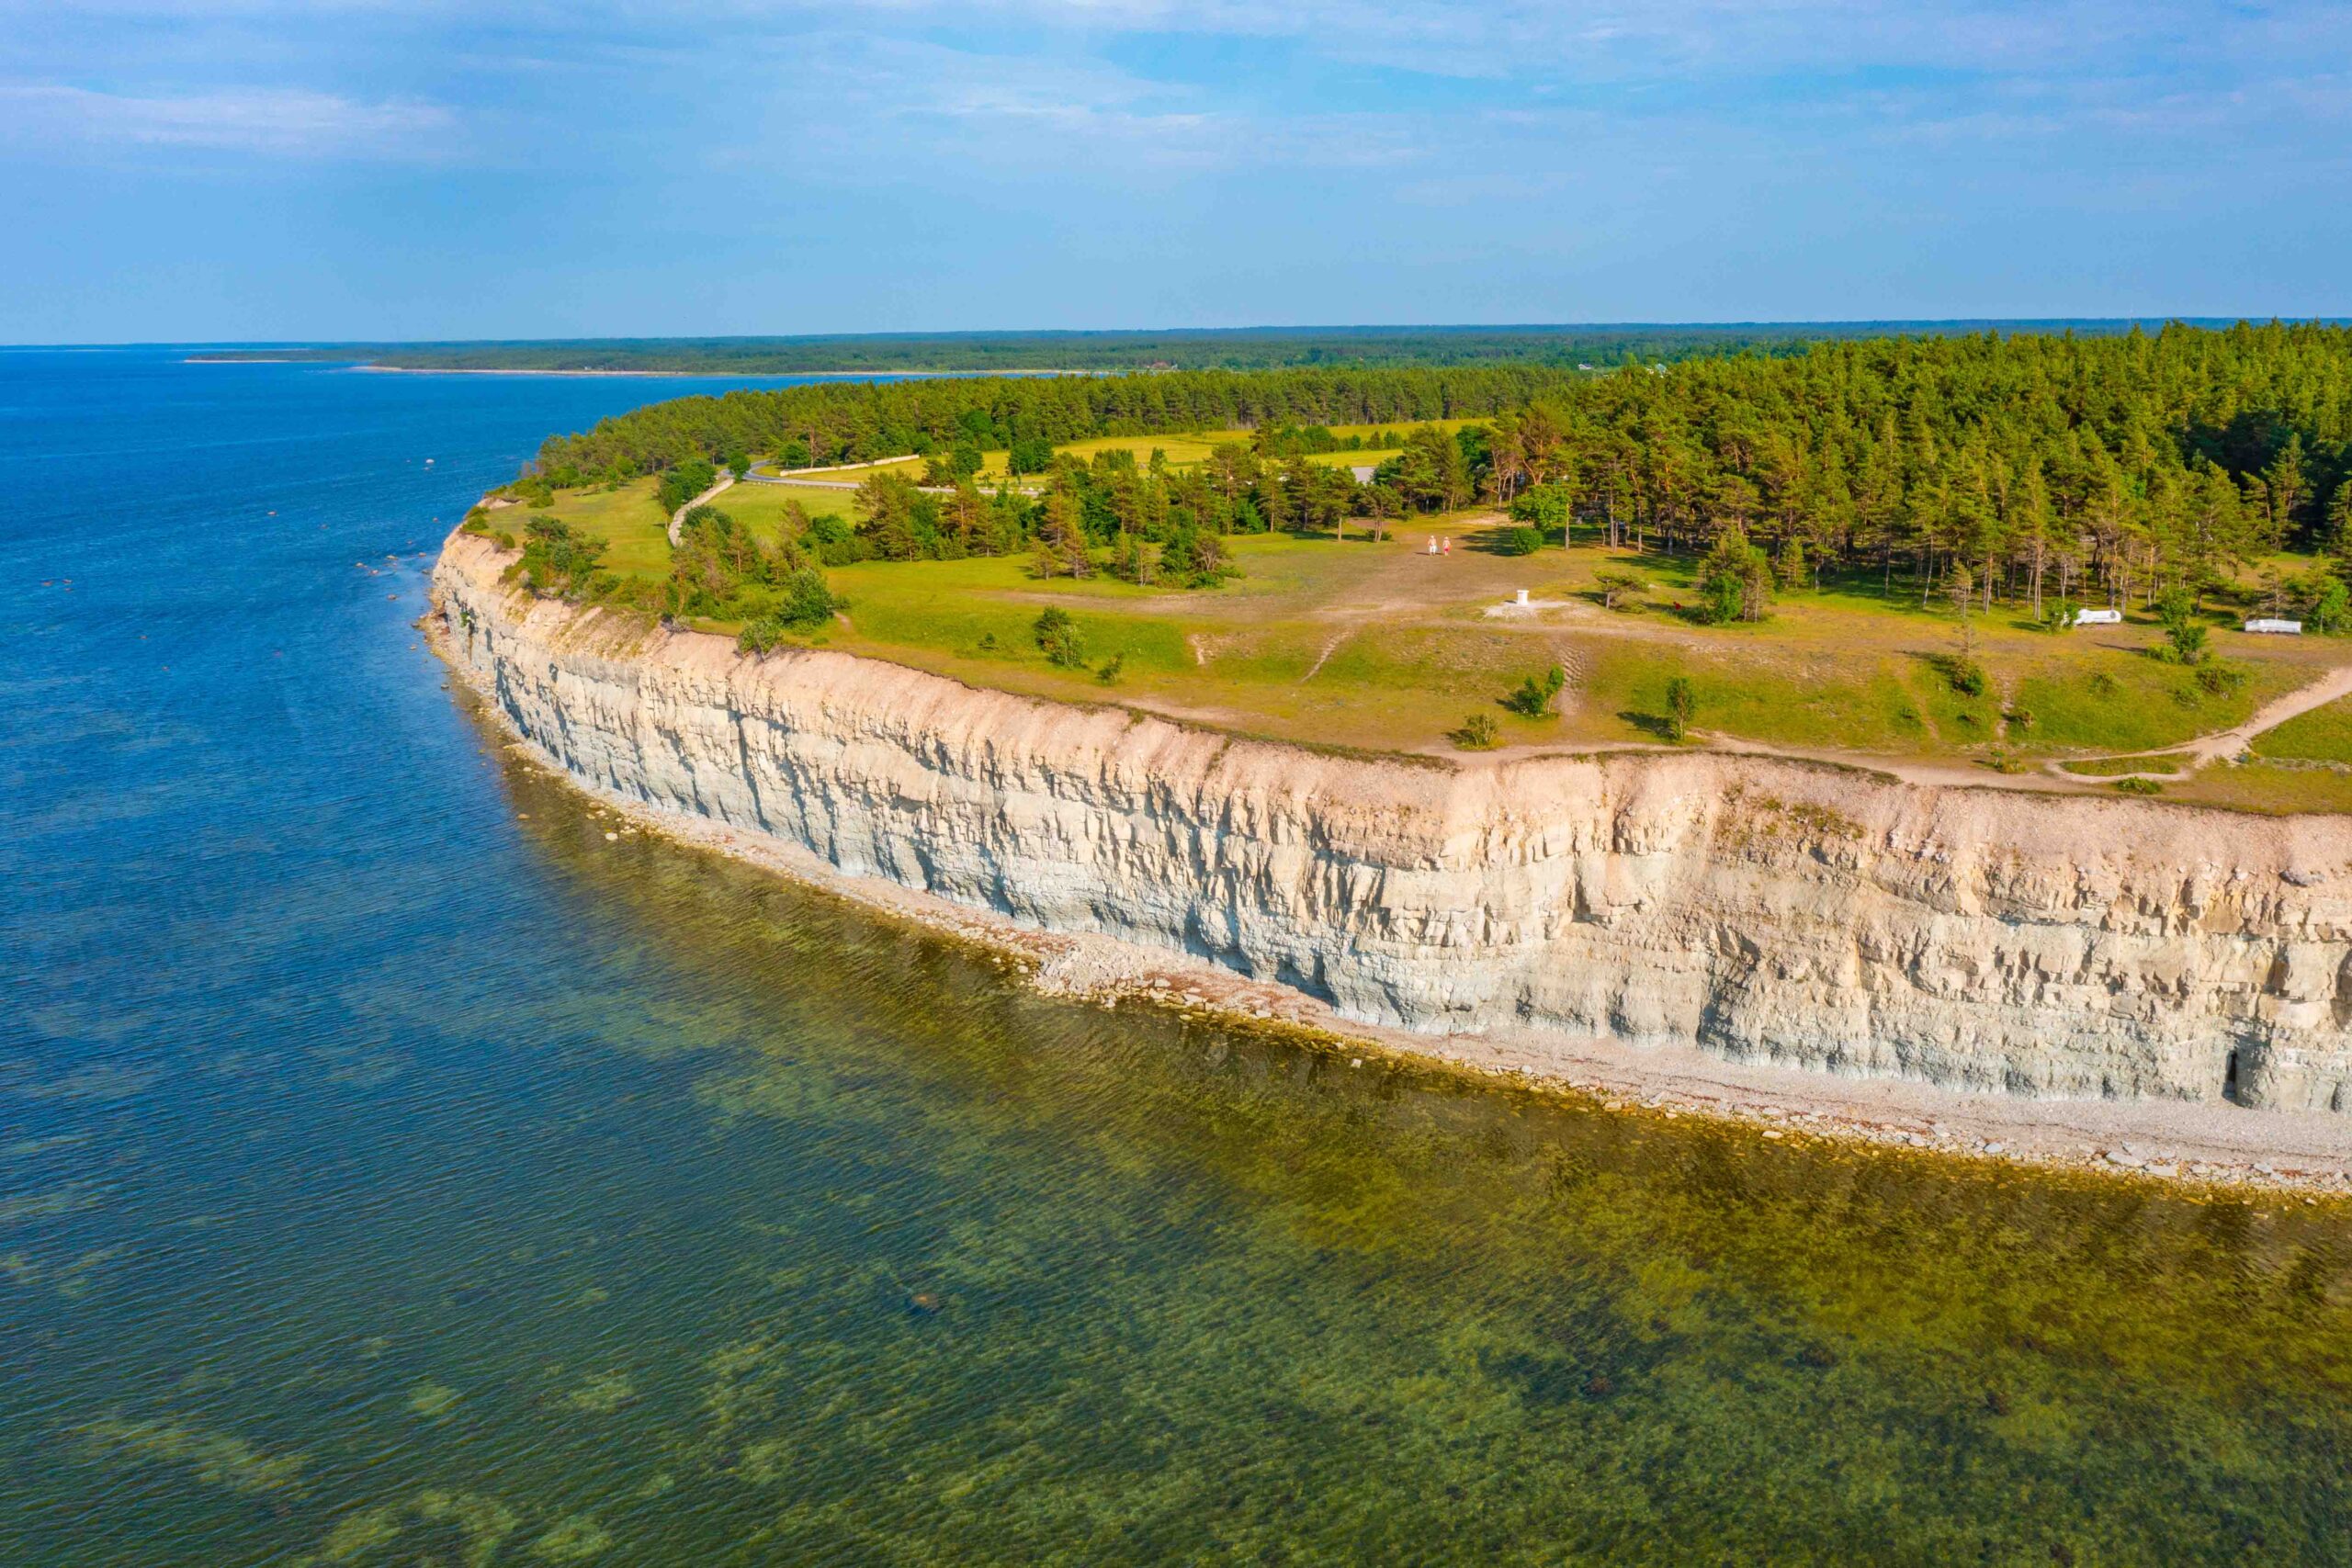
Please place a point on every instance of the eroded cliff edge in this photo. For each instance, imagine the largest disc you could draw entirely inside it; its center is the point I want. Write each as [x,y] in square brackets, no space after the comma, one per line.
[1767,911]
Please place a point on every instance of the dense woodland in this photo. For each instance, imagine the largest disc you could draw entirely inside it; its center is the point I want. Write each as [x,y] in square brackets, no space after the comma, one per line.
[2032,468]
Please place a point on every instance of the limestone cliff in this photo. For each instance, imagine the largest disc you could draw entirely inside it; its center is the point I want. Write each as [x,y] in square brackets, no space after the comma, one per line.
[2000,940]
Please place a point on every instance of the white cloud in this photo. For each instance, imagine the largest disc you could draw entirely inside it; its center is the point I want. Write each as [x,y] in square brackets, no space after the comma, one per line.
[282,122]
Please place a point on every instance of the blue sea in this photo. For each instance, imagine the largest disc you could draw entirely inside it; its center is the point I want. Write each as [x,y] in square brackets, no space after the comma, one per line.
[393,1170]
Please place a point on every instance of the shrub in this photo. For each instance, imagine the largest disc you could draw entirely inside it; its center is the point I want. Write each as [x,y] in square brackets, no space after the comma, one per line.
[2138,787]
[1966,676]
[1058,634]
[1533,697]
[1477,733]
[2021,720]
[1112,667]
[2102,684]
[1520,541]
[2058,614]
[2186,642]
[2186,639]
[808,598]
[2221,680]
[1616,587]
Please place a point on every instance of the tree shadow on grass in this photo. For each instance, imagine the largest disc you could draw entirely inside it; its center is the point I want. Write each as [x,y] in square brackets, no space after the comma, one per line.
[1656,726]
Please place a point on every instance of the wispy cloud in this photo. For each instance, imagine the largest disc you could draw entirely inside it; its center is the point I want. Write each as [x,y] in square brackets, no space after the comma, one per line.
[280,122]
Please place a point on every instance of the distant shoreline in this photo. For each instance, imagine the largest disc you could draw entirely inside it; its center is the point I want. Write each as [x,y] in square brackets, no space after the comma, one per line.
[688,375]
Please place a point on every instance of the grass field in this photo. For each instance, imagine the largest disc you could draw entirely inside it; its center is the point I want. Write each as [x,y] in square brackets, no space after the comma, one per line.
[761,505]
[909,468]
[2322,735]
[1182,449]
[2267,787]
[2115,767]
[1380,645]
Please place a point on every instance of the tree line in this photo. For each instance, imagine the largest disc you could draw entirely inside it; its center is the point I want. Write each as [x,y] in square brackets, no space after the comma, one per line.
[2042,466]
[858,421]
[1241,348]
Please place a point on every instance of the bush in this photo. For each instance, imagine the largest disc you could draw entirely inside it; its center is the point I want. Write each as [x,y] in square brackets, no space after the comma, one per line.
[2058,614]
[1058,634]
[2221,680]
[2138,787]
[1533,697]
[1477,733]
[1616,587]
[1966,676]
[809,599]
[1111,668]
[1520,541]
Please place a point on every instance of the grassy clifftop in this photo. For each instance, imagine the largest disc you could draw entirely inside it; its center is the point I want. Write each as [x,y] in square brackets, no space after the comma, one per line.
[1357,641]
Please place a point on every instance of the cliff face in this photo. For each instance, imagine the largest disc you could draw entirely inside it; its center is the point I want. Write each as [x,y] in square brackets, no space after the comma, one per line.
[2036,944]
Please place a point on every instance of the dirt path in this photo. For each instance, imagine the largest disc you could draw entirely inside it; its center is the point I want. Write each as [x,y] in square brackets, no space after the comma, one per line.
[678,518]
[1330,647]
[2336,682]
[2175,762]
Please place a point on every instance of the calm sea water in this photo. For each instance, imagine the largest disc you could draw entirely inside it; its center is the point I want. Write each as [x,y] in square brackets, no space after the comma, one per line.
[394,1171]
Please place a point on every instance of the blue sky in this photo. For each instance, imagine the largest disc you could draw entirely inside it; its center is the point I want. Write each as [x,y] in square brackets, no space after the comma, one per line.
[255,170]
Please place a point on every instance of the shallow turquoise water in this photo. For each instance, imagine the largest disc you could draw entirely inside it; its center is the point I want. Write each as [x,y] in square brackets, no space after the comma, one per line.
[392,1170]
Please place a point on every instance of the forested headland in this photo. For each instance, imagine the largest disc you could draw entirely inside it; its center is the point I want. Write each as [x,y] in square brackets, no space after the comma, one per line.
[2030,464]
